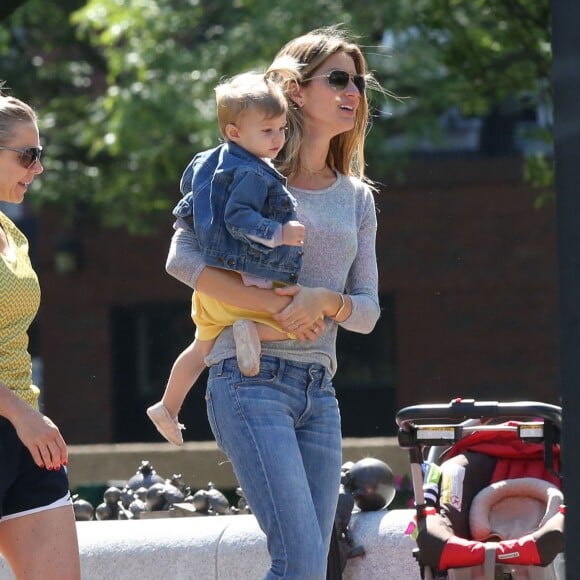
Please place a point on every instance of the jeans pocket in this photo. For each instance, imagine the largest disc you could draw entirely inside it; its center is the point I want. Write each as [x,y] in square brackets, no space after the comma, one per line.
[212,419]
[265,376]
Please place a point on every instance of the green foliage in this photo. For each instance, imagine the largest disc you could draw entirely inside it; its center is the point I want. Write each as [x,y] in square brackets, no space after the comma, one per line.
[476,55]
[134,93]
[125,89]
[495,48]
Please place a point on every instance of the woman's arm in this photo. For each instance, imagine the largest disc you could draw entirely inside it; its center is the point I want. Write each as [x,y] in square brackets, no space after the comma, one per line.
[184,260]
[363,278]
[36,431]
[227,286]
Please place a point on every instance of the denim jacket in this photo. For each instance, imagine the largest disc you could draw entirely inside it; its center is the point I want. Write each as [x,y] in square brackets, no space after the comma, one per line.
[228,194]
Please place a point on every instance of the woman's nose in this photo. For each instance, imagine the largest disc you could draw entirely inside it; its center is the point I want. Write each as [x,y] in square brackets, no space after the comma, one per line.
[351,88]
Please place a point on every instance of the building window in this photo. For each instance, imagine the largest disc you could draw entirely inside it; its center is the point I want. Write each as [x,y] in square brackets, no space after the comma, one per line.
[146,340]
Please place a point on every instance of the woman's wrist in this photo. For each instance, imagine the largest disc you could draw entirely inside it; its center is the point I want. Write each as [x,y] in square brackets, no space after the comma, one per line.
[12,407]
[340,307]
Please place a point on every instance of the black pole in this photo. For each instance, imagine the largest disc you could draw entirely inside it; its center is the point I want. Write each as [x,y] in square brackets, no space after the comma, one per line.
[566,84]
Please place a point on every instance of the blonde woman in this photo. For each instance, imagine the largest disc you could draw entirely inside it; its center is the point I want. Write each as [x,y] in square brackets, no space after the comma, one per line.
[37,526]
[281,428]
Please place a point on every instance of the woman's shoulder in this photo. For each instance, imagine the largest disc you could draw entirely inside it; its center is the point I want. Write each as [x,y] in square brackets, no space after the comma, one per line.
[358,185]
[9,226]
[363,192]
[17,238]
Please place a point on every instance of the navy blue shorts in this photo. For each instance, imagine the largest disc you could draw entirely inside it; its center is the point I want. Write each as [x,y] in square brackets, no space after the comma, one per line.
[24,487]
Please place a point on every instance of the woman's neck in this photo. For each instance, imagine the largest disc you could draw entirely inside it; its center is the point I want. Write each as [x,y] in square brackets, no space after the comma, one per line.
[314,171]
[305,179]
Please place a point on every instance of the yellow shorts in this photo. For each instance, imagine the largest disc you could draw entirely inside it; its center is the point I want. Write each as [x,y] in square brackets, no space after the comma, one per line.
[212,316]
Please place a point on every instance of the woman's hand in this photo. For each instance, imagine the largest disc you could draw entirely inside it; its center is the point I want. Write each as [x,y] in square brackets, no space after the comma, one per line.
[42,438]
[304,316]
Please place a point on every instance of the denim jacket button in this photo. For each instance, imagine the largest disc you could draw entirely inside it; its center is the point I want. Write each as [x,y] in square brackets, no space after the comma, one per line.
[231,262]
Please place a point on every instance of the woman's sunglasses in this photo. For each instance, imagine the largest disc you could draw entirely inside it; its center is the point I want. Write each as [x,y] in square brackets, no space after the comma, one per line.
[339,79]
[28,156]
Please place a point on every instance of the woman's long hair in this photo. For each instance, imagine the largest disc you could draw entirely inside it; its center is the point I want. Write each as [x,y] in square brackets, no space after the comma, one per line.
[346,151]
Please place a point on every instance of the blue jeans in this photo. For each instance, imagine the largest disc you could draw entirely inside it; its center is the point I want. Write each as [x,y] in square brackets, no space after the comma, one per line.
[281,431]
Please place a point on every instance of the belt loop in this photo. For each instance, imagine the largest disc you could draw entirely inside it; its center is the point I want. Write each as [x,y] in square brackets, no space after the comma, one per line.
[311,373]
[281,368]
[316,373]
[219,368]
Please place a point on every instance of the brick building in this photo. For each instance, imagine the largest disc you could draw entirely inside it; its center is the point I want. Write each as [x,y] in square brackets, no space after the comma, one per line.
[467,284]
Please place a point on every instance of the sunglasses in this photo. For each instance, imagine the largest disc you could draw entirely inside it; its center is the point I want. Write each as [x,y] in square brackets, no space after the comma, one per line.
[339,79]
[28,156]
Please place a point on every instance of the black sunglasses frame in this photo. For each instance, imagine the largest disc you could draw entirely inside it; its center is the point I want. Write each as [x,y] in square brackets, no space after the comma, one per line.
[339,79]
[28,155]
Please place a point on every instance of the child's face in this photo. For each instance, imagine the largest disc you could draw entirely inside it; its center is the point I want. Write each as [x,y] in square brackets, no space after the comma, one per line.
[262,136]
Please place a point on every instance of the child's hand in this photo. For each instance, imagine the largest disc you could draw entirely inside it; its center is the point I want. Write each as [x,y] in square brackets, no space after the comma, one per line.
[293,233]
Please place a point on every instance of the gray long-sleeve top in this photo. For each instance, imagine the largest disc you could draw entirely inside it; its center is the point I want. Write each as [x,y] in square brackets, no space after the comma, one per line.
[339,254]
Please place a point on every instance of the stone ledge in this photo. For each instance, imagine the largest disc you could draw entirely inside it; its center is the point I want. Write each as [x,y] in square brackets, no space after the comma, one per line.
[199,462]
[226,548]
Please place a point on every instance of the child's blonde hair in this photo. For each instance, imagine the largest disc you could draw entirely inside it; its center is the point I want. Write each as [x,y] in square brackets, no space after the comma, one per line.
[259,91]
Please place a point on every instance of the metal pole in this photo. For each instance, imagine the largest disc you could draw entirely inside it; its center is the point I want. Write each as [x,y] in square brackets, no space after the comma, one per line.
[566,84]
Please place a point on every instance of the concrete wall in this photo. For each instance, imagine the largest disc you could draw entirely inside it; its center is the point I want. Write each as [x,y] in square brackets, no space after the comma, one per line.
[226,548]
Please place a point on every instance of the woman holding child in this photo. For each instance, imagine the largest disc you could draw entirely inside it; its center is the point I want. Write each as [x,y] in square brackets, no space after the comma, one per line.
[281,427]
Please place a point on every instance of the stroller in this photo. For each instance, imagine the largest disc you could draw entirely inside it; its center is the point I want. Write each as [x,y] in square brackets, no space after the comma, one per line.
[487,487]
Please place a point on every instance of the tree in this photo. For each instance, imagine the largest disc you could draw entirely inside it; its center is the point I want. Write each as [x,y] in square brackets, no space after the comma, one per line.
[125,89]
[8,7]
[490,58]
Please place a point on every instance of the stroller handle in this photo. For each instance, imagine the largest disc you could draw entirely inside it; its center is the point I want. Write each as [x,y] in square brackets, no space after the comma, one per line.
[460,409]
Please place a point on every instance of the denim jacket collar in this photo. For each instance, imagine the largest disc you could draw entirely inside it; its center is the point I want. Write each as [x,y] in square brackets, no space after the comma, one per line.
[249,158]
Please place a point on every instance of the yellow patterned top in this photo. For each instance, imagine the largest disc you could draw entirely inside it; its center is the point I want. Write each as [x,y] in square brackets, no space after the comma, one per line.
[19,302]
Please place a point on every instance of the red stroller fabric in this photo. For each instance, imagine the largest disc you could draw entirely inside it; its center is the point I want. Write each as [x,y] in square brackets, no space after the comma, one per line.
[441,543]
[514,457]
